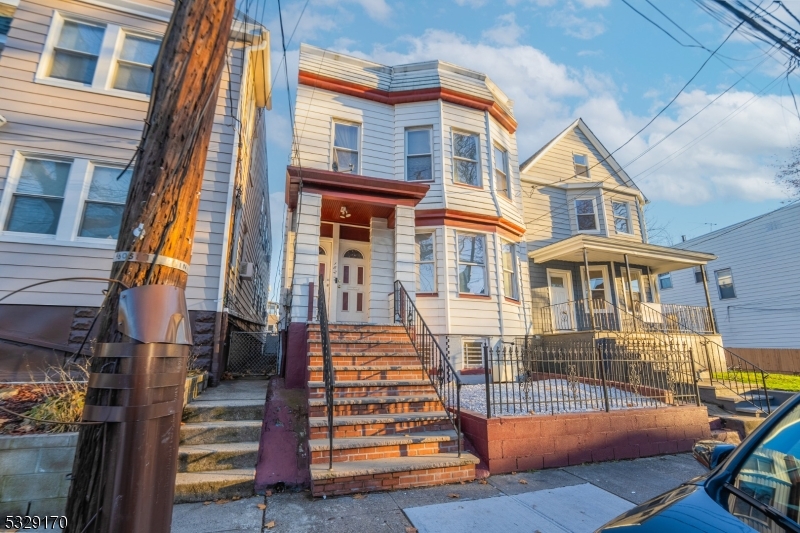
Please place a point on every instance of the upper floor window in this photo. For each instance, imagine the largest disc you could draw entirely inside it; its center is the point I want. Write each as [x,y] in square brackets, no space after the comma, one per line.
[465,159]
[472,264]
[698,274]
[135,64]
[76,52]
[102,212]
[581,163]
[622,217]
[725,284]
[586,215]
[509,257]
[419,154]
[501,174]
[345,148]
[39,196]
[426,263]
[665,281]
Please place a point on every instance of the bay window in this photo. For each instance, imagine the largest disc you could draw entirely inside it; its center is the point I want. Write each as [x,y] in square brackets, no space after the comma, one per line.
[510,284]
[425,263]
[419,154]
[501,175]
[472,264]
[586,215]
[465,159]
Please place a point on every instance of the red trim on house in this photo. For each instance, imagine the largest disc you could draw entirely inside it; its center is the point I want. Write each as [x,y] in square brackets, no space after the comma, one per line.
[511,300]
[404,97]
[427,295]
[473,221]
[474,296]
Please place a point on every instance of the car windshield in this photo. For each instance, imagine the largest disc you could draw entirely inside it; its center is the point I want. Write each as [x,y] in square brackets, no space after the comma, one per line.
[770,477]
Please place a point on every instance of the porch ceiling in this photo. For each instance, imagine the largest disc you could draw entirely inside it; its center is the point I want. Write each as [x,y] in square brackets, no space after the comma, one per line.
[355,213]
[605,249]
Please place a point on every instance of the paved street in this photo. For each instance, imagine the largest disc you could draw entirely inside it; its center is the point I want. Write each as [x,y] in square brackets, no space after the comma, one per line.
[578,498]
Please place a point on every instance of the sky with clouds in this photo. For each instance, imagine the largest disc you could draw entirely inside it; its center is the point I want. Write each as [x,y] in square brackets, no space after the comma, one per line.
[595,59]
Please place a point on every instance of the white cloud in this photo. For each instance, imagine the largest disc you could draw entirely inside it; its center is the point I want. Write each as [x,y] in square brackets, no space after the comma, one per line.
[375,9]
[505,32]
[471,3]
[575,25]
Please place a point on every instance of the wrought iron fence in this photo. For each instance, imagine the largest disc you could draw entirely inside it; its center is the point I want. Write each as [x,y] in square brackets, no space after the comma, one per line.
[545,378]
[328,376]
[434,361]
[253,353]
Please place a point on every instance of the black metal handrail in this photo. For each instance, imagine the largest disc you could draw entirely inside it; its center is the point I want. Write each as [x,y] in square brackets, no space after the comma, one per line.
[435,363]
[328,375]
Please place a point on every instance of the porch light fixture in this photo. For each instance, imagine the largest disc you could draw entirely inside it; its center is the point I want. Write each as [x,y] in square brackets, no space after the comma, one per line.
[343,213]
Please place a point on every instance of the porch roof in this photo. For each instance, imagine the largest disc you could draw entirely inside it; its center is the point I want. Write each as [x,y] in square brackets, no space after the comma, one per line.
[606,249]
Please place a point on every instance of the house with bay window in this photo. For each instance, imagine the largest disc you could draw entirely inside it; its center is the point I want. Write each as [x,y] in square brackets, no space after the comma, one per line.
[405,173]
[75,82]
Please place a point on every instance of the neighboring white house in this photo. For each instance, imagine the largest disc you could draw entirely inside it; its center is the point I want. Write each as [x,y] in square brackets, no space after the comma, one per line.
[752,284]
[405,173]
[75,82]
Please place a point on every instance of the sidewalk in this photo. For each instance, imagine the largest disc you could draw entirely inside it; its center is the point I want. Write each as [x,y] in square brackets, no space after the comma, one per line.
[577,498]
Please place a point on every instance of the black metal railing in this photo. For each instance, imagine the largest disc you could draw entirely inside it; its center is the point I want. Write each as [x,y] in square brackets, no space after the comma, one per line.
[328,375]
[434,361]
[599,375]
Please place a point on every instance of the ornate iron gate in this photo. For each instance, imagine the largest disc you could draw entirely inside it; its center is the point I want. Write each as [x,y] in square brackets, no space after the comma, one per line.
[253,353]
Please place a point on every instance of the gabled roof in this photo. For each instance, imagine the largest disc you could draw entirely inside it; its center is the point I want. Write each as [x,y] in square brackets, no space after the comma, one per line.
[581,125]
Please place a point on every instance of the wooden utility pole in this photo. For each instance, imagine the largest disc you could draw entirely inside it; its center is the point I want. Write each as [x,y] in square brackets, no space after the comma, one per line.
[159,219]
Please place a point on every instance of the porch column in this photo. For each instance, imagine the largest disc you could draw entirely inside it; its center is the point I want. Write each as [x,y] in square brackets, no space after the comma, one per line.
[404,248]
[708,300]
[381,279]
[630,290]
[306,253]
[588,287]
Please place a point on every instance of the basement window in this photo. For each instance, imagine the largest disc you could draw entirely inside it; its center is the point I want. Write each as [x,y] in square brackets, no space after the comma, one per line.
[473,352]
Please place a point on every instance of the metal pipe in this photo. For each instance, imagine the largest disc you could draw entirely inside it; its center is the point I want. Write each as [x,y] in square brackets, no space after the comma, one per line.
[708,300]
[588,287]
[694,378]
[630,290]
[603,376]
[488,383]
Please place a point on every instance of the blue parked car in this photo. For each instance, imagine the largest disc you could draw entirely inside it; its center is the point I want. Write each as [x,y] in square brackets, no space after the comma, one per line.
[751,487]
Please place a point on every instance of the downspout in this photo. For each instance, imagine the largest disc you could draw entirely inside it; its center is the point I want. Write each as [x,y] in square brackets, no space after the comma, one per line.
[444,228]
[497,265]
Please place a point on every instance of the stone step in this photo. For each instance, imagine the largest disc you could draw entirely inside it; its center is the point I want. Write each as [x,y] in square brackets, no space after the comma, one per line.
[372,405]
[220,432]
[377,425]
[217,456]
[213,485]
[370,373]
[207,411]
[360,389]
[369,448]
[392,474]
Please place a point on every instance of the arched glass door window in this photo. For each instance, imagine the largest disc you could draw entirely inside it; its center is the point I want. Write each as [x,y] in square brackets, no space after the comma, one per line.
[353,254]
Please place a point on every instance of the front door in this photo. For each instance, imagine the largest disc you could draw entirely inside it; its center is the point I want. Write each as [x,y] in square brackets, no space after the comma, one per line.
[352,283]
[563,314]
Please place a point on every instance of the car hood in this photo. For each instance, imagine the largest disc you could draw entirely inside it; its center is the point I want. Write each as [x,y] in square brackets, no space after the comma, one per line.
[688,509]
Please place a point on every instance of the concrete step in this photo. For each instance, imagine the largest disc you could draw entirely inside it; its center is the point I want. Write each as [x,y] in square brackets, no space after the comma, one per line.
[370,373]
[217,456]
[377,425]
[384,447]
[213,485]
[207,411]
[220,432]
[375,405]
[392,474]
[360,389]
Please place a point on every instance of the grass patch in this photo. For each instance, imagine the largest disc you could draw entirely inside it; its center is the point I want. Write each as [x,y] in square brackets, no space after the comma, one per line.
[785,382]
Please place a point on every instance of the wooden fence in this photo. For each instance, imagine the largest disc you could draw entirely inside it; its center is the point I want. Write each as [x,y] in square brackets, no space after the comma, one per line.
[777,360]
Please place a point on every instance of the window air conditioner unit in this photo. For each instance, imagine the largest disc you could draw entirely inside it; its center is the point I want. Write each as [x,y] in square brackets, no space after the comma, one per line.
[246,271]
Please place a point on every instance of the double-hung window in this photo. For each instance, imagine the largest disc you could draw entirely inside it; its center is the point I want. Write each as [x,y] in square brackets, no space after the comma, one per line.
[426,263]
[77,51]
[472,264]
[345,148]
[698,274]
[665,281]
[501,175]
[581,164]
[39,196]
[465,159]
[135,64]
[725,284]
[419,154]
[509,257]
[102,211]
[622,217]
[586,215]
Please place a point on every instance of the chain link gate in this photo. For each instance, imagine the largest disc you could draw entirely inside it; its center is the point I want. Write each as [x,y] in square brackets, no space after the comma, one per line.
[253,353]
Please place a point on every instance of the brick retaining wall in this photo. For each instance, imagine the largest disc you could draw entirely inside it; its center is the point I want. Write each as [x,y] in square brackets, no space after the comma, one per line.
[514,443]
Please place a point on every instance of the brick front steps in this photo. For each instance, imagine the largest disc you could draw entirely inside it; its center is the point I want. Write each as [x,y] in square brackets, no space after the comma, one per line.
[390,429]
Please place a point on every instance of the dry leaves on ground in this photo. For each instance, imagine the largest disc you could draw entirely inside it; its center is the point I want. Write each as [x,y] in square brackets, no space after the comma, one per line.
[269,493]
[483,482]
[206,503]
[236,498]
[523,481]
[220,502]
[453,495]
[261,506]
[270,524]
[410,529]
[359,496]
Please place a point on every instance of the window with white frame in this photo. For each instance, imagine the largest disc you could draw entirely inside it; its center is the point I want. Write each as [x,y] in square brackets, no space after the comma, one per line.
[502,182]
[105,202]
[472,264]
[419,154]
[473,352]
[425,262]
[465,159]
[581,164]
[135,63]
[37,201]
[725,284]
[509,257]
[665,281]
[622,217]
[100,57]
[586,215]
[345,147]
